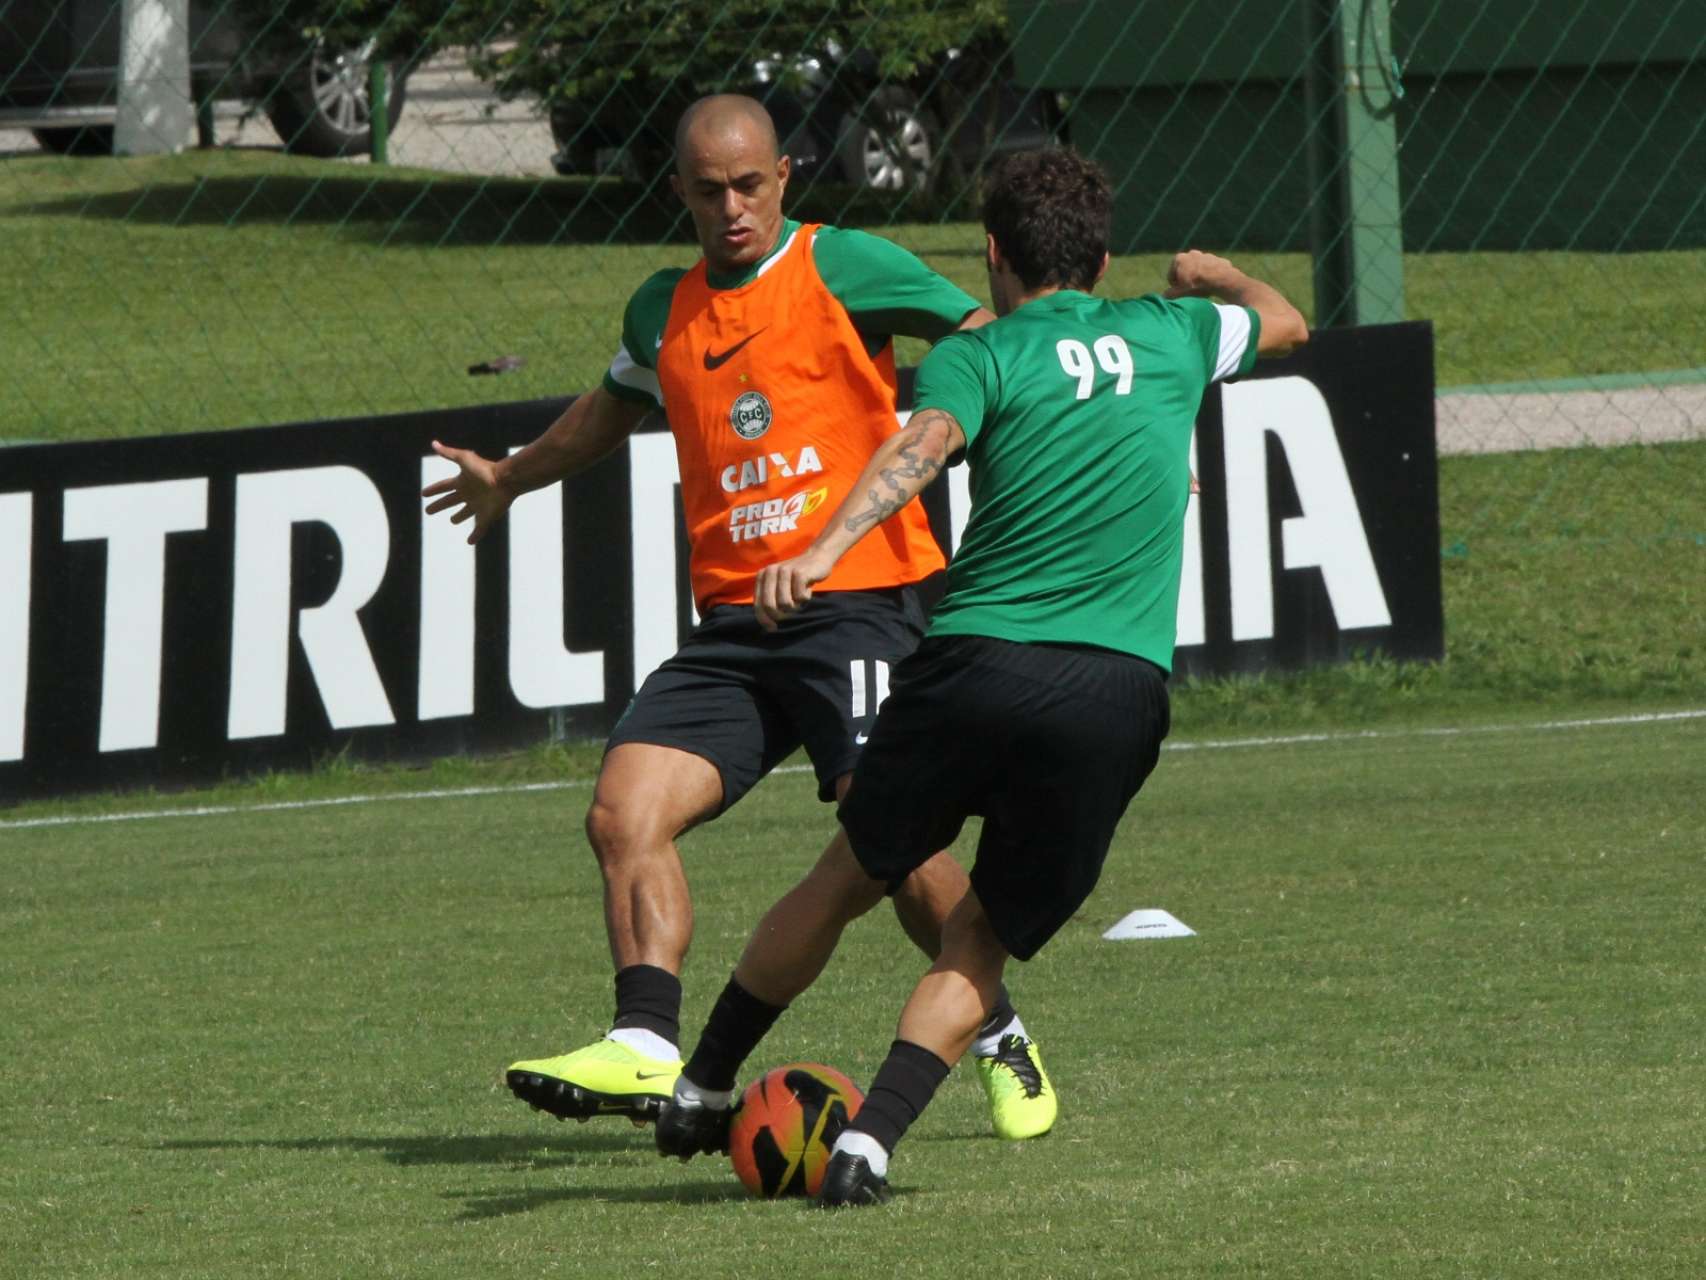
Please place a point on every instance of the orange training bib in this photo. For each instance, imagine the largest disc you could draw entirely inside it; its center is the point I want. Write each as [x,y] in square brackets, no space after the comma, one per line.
[776,407]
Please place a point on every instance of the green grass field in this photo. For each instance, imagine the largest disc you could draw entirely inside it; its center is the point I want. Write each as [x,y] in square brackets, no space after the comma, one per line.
[1442,1018]
[234,289]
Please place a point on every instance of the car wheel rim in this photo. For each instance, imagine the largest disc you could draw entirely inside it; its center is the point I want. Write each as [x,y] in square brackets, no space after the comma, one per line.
[889,162]
[339,79]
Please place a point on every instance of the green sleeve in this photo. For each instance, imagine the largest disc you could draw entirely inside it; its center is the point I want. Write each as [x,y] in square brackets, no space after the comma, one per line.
[886,289]
[958,377]
[1221,359]
[1202,324]
[632,374]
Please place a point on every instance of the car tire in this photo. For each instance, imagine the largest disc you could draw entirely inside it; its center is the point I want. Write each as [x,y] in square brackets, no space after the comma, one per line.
[899,154]
[323,107]
[79,140]
[577,147]
[608,144]
[572,158]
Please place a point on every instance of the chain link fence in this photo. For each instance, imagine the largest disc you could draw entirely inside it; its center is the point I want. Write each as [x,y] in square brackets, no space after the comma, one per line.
[1529,175]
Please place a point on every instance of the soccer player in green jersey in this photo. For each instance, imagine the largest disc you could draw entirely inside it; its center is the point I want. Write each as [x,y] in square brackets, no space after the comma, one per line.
[773,360]
[1038,698]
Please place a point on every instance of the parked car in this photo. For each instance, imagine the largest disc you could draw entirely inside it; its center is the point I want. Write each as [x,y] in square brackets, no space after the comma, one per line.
[59,76]
[836,119]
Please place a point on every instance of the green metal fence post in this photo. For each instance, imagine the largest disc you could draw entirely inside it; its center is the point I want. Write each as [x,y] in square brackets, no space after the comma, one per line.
[1352,89]
[379,110]
[205,135]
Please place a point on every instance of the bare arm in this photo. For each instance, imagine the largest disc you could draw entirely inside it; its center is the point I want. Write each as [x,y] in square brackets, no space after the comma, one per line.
[482,490]
[1199,275]
[589,429]
[897,472]
[976,318]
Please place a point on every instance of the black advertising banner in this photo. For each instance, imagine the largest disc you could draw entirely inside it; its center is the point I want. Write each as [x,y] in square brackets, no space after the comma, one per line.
[1316,536]
[236,600]
[184,607]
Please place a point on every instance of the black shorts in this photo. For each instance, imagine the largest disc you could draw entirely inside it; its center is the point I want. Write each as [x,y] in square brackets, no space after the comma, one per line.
[1049,743]
[745,699]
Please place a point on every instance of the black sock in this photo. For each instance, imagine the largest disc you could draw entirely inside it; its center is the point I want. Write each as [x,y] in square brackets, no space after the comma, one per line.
[905,1083]
[649,998]
[1000,1015]
[738,1021]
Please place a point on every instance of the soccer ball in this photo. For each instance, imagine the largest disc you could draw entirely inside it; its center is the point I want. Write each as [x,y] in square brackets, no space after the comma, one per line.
[781,1135]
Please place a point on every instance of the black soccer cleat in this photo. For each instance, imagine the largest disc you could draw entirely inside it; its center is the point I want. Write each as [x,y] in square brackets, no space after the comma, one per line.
[687,1131]
[849,1182]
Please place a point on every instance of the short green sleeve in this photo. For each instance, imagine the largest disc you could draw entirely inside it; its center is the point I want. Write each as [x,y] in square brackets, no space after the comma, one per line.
[632,375]
[958,377]
[1226,336]
[1202,322]
[887,290]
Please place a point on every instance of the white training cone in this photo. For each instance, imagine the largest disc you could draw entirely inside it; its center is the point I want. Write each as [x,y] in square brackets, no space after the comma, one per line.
[1149,922]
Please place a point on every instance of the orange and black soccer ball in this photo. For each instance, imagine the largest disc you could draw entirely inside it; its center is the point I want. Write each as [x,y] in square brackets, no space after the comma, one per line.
[780,1137]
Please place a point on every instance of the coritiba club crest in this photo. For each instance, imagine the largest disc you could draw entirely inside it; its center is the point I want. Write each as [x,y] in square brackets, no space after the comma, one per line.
[750,415]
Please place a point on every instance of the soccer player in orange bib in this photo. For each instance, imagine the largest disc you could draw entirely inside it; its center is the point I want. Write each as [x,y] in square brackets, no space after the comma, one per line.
[773,359]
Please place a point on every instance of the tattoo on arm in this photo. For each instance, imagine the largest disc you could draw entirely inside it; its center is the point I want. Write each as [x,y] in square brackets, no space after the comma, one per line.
[913,468]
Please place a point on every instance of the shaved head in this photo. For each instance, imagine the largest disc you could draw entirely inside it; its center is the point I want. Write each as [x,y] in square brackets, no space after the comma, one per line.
[723,118]
[730,173]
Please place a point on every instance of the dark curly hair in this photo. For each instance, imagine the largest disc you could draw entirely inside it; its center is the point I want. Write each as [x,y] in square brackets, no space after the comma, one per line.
[1050,212]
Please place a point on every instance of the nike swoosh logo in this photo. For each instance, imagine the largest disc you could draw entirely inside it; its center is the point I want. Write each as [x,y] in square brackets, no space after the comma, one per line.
[718,361]
[652,1075]
[860,739]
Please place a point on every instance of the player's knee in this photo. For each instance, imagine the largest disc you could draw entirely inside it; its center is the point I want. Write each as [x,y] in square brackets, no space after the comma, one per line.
[931,891]
[617,832]
[857,894]
[970,940]
[838,877]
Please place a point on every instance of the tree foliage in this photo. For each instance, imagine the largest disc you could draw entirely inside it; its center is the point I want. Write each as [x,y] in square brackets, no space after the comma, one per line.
[619,72]
[402,31]
[558,49]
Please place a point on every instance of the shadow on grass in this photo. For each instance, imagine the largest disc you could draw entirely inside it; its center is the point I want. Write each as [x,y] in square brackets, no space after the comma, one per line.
[404,211]
[445,210]
[482,1205]
[534,1150]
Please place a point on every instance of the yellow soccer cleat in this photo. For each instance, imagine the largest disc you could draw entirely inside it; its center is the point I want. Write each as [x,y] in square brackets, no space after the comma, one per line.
[604,1079]
[1021,1098]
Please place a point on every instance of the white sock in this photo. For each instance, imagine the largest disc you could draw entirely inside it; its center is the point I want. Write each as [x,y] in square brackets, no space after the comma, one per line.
[689,1094]
[649,1043]
[863,1144]
[985,1046]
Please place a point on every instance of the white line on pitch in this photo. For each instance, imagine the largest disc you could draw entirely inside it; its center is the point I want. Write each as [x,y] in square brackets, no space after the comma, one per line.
[1458,731]
[284,806]
[519,788]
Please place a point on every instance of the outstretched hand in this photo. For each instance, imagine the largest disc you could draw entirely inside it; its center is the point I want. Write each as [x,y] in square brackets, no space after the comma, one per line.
[783,588]
[474,491]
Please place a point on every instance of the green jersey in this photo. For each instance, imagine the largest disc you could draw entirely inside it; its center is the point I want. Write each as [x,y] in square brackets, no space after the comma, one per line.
[1078,415]
[885,289]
